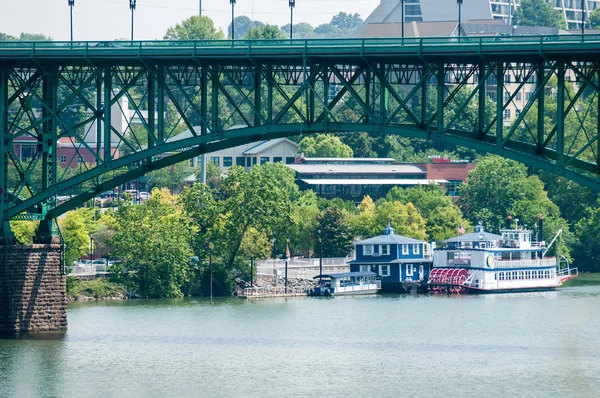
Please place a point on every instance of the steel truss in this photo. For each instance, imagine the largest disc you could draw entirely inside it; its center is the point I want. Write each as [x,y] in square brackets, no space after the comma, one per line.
[46,103]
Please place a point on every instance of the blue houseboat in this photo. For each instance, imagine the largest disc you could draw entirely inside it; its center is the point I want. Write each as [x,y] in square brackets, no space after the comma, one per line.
[394,258]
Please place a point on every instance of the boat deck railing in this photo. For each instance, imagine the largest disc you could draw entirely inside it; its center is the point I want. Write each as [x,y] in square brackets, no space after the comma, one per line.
[273,291]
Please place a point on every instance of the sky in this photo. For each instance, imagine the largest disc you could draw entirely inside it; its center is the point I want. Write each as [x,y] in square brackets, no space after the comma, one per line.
[111,19]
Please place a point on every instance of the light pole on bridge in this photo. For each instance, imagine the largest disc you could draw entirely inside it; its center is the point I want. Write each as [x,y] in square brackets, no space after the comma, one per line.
[132,4]
[459,2]
[402,5]
[582,17]
[232,19]
[71,5]
[292,5]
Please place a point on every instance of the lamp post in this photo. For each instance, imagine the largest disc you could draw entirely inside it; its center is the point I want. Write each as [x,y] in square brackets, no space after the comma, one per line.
[320,258]
[71,5]
[132,4]
[292,5]
[459,2]
[232,20]
[582,18]
[402,1]
[200,8]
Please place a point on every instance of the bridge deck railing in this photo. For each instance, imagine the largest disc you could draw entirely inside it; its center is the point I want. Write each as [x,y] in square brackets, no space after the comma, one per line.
[472,44]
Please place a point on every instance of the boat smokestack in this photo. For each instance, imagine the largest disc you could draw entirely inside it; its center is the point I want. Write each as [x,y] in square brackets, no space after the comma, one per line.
[508,222]
[541,229]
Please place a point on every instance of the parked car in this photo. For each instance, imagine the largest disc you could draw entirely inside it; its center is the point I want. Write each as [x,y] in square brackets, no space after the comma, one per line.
[145,195]
[100,261]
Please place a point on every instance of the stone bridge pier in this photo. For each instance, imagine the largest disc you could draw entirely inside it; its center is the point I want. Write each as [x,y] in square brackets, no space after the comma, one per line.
[32,287]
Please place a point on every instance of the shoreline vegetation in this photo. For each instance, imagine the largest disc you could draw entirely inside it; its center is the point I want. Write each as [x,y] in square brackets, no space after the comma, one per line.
[103,290]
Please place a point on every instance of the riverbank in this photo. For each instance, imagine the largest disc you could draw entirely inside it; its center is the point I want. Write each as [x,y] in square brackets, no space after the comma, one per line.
[95,289]
[585,279]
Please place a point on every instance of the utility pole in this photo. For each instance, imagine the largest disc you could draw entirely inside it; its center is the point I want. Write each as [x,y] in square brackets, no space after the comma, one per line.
[200,8]
[71,5]
[582,17]
[132,4]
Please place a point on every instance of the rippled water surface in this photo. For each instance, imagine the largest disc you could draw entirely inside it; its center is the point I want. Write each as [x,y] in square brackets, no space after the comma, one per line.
[534,345]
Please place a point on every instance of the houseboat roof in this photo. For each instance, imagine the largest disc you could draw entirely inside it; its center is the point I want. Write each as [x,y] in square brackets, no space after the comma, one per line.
[474,237]
[346,275]
[389,238]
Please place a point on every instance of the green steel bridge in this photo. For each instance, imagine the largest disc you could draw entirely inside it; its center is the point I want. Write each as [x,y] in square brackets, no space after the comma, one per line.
[460,91]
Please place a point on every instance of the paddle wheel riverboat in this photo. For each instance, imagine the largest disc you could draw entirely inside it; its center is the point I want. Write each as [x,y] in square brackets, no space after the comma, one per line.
[481,262]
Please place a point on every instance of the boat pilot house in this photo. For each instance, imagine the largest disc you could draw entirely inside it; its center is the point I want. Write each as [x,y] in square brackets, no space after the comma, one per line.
[394,258]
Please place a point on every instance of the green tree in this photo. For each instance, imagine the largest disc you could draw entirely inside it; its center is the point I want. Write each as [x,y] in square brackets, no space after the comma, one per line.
[302,30]
[24,231]
[363,222]
[264,32]
[347,22]
[76,236]
[594,19]
[154,241]
[404,218]
[538,13]
[324,146]
[171,177]
[335,235]
[586,250]
[304,222]
[242,25]
[196,27]
[442,215]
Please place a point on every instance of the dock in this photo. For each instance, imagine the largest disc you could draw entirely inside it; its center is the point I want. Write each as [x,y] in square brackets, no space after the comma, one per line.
[272,292]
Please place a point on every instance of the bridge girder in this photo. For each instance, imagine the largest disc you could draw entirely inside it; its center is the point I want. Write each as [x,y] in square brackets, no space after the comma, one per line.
[541,110]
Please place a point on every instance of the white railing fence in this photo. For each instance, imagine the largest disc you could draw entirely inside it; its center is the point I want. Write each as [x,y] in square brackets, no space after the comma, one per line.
[302,268]
[88,270]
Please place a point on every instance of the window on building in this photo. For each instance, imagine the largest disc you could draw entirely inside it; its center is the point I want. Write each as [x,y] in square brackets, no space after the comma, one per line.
[264,159]
[367,250]
[215,160]
[482,245]
[277,159]
[384,250]
[409,270]
[248,162]
[404,249]
[506,114]
[365,268]
[227,161]
[492,95]
[528,95]
[384,270]
[253,160]
[63,159]
[240,161]
[290,160]
[506,96]
[518,96]
[79,159]
[416,248]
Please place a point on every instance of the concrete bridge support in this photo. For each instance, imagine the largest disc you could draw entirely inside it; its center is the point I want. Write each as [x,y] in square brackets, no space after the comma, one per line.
[32,288]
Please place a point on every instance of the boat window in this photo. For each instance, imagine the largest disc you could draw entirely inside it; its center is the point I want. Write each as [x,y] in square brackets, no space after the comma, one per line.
[514,275]
[534,274]
[482,245]
[367,250]
[520,274]
[384,250]
[409,270]
[365,268]
[546,274]
[527,274]
[384,270]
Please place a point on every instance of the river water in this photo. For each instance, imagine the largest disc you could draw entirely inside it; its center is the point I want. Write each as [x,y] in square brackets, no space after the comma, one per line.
[530,345]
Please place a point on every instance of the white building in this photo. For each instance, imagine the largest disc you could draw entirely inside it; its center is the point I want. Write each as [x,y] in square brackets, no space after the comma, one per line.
[390,11]
[261,152]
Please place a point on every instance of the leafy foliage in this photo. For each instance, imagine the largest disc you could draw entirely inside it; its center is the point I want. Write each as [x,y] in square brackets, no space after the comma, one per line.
[324,146]
[264,32]
[538,13]
[586,250]
[335,236]
[196,27]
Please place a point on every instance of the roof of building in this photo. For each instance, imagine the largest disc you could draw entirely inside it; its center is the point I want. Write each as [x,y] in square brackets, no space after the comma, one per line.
[316,168]
[348,160]
[264,145]
[370,181]
[188,134]
[389,239]
[474,237]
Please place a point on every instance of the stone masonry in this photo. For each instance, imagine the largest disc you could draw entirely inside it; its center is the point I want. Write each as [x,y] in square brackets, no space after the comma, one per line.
[32,288]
